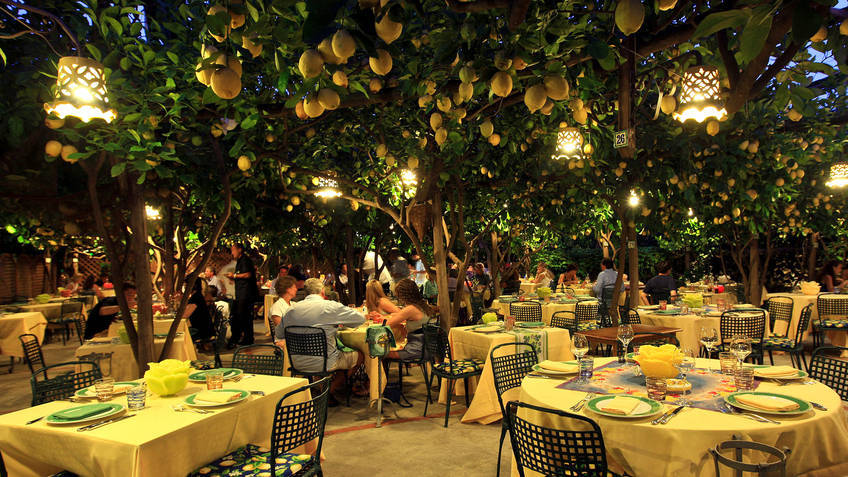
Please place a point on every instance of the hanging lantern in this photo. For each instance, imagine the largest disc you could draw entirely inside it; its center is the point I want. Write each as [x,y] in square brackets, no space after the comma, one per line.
[838,175]
[408,179]
[569,143]
[81,91]
[700,98]
[329,188]
[151,213]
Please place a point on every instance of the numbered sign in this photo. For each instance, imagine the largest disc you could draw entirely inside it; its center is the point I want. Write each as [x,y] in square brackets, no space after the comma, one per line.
[621,139]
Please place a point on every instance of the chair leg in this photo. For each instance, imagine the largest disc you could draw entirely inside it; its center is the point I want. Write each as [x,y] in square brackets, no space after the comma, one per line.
[467,401]
[447,406]
[500,449]
[771,358]
[429,385]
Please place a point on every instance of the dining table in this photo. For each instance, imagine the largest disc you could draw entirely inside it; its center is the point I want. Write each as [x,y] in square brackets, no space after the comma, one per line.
[818,438]
[51,310]
[158,441]
[689,323]
[116,358]
[548,307]
[472,342]
[641,332]
[799,301]
[12,325]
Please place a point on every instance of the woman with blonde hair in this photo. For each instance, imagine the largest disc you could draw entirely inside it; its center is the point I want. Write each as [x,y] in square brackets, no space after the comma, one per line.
[376,300]
[409,319]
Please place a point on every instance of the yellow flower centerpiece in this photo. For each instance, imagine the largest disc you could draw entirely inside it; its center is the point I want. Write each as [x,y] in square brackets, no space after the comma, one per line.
[167,377]
[693,300]
[543,292]
[659,361]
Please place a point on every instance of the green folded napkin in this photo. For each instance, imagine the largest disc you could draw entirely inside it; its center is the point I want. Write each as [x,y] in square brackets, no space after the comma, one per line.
[530,324]
[81,412]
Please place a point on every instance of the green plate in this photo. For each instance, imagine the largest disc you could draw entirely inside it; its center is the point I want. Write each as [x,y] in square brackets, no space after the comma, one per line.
[191,401]
[200,376]
[110,410]
[530,324]
[801,374]
[89,391]
[667,312]
[541,370]
[804,405]
[647,408]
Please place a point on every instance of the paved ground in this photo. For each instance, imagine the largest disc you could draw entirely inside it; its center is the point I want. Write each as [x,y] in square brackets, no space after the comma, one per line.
[411,446]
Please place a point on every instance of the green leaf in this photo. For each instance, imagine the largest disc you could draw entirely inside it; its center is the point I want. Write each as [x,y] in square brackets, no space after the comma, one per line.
[173,57]
[754,36]
[141,178]
[135,29]
[719,21]
[252,11]
[170,83]
[357,86]
[95,53]
[118,169]
[250,121]
[125,63]
[283,81]
[598,49]
[3,56]
[114,24]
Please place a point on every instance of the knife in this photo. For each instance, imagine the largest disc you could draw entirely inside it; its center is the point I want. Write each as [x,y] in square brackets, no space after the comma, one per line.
[659,419]
[673,413]
[103,423]
[817,406]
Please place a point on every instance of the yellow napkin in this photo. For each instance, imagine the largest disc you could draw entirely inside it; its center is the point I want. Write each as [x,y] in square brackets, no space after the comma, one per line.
[558,367]
[767,403]
[619,405]
[217,397]
[776,371]
[486,329]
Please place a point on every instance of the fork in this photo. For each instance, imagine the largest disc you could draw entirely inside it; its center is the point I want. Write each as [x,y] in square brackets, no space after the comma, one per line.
[181,408]
[751,415]
[579,405]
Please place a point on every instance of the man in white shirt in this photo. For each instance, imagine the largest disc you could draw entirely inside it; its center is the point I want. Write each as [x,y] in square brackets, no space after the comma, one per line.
[368,267]
[283,271]
[315,311]
[607,277]
[213,280]
[420,273]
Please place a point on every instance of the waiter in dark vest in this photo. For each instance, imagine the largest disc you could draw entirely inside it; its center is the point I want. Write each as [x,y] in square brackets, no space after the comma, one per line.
[246,293]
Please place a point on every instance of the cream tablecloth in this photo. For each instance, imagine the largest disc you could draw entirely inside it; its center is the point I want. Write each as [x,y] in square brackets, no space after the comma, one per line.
[157,442]
[269,301]
[691,325]
[818,439]
[467,344]
[51,311]
[13,325]
[548,309]
[122,365]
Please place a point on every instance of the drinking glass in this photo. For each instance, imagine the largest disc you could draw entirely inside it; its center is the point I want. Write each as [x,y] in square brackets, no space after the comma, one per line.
[744,378]
[136,396]
[586,365]
[709,338]
[741,347]
[663,304]
[625,335]
[104,388]
[657,388]
[728,362]
[214,379]
[684,366]
[579,346]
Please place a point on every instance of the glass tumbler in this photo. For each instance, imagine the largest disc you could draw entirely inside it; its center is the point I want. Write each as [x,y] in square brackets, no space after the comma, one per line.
[214,379]
[587,367]
[657,388]
[104,388]
[744,378]
[136,397]
[728,363]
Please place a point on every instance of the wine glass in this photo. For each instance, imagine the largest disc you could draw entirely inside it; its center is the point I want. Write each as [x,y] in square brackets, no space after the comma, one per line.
[686,364]
[709,338]
[741,347]
[625,335]
[579,346]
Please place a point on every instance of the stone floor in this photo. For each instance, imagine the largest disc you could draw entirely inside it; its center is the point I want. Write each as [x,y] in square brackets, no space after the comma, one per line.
[411,445]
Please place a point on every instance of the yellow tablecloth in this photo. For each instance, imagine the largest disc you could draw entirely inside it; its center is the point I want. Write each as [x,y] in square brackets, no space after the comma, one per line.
[467,344]
[13,325]
[818,440]
[157,442]
[269,301]
[122,366]
[799,301]
[714,298]
[51,311]
[162,327]
[690,337]
[355,338]
[548,309]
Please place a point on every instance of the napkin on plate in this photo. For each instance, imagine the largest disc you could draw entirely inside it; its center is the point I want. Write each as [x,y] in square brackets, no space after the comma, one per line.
[558,366]
[776,371]
[486,329]
[767,403]
[217,397]
[619,405]
[81,412]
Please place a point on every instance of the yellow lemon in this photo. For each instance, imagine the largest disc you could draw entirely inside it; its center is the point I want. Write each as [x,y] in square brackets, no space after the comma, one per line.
[712,127]
[340,79]
[495,139]
[230,62]
[424,100]
[66,151]
[54,123]
[243,163]
[534,97]
[344,45]
[487,128]
[312,107]
[295,200]
[665,5]
[466,91]
[382,149]
[204,75]
[53,148]
[390,160]
[794,115]
[444,104]
[329,99]
[325,49]
[501,84]
[226,83]
[441,136]
[375,85]
[556,87]
[247,43]
[310,63]
[820,35]
[382,64]
[843,27]
[236,20]
[668,104]
[387,29]
[412,162]
[629,15]
[435,121]
[299,112]
[580,115]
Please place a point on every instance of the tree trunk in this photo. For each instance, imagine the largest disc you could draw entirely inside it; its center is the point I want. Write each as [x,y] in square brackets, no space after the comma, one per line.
[754,286]
[633,252]
[352,279]
[168,259]
[811,259]
[440,258]
[495,265]
[143,284]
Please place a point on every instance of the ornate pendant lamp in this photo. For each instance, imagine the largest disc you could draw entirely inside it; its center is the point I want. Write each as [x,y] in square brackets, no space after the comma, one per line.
[81,91]
[838,175]
[700,98]
[569,143]
[408,179]
[329,188]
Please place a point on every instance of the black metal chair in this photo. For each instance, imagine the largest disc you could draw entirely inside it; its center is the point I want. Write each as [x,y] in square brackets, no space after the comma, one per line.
[294,425]
[526,310]
[64,385]
[738,464]
[628,316]
[443,366]
[833,316]
[779,308]
[306,341]
[587,313]
[259,359]
[748,323]
[793,346]
[556,452]
[509,370]
[32,352]
[565,319]
[827,368]
[70,313]
[659,294]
